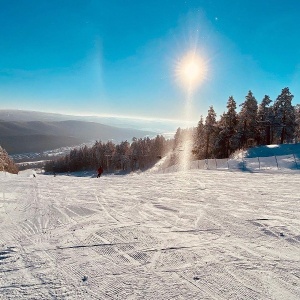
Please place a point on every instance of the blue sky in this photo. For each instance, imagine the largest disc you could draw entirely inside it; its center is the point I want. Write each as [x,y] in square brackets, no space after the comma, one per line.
[119,57]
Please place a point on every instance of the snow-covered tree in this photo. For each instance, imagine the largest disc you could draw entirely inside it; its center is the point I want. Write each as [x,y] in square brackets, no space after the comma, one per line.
[141,153]
[225,142]
[178,137]
[285,116]
[247,122]
[297,121]
[120,158]
[199,140]
[210,132]
[157,147]
[6,163]
[265,120]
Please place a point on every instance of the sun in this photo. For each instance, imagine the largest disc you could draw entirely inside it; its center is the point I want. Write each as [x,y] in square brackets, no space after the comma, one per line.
[191,70]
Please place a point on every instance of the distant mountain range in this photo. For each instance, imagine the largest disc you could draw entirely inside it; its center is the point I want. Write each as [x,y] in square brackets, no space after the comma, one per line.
[160,126]
[35,136]
[13,115]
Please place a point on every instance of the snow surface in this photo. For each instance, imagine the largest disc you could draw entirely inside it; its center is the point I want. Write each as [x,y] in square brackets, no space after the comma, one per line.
[200,234]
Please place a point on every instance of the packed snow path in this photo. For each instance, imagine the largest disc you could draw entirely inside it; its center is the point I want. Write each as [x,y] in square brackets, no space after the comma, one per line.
[194,235]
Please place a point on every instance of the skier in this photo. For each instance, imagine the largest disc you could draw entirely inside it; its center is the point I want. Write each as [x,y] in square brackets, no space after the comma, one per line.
[100,171]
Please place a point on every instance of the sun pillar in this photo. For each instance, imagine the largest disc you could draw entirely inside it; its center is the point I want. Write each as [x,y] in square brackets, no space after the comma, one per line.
[191,71]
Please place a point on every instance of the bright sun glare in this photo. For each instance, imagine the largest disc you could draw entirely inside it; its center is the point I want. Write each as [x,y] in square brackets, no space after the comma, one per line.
[191,70]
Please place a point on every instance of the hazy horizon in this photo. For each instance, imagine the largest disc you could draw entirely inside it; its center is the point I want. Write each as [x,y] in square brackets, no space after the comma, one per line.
[160,126]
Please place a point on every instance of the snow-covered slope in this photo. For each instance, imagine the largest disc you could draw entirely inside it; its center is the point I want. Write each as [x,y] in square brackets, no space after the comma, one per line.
[269,150]
[194,235]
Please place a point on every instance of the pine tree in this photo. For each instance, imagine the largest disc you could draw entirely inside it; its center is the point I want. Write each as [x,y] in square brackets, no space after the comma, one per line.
[120,159]
[178,137]
[199,145]
[225,143]
[157,147]
[265,121]
[98,155]
[285,116]
[210,132]
[109,149]
[247,122]
[297,121]
[222,140]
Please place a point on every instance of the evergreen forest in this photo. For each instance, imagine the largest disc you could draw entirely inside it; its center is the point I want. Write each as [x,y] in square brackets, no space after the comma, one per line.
[268,122]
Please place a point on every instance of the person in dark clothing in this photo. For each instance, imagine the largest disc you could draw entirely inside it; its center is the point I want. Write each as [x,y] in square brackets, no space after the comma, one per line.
[100,171]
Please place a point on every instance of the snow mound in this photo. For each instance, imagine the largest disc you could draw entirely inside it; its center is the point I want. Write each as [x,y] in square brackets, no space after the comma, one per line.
[6,174]
[273,150]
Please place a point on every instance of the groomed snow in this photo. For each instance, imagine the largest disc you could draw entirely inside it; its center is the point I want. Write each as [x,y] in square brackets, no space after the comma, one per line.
[201,234]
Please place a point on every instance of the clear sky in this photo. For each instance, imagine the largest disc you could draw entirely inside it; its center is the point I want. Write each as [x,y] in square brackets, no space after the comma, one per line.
[117,57]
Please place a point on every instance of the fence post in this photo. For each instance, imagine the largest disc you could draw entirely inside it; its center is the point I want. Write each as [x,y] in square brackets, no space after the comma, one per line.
[295,161]
[228,163]
[258,162]
[216,164]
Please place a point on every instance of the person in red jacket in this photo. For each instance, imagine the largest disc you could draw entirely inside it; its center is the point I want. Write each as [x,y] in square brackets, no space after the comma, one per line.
[100,171]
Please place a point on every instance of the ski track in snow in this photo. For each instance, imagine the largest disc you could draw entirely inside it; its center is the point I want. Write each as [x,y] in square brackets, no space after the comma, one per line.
[183,235]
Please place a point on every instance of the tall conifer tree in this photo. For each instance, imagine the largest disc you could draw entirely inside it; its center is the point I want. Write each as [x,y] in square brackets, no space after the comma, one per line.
[227,126]
[210,130]
[247,122]
[285,116]
[199,140]
[265,121]
[297,120]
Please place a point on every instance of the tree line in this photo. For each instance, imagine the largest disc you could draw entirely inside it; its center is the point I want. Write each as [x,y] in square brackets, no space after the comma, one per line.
[125,156]
[270,122]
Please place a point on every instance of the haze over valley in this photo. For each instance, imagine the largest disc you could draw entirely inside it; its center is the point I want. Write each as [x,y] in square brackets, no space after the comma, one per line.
[24,131]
